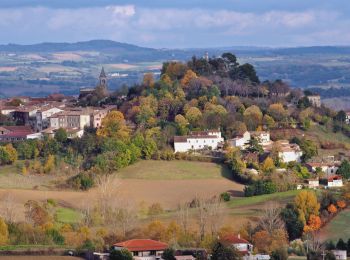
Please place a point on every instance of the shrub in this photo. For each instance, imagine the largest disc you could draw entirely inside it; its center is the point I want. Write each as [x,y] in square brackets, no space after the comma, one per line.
[225,196]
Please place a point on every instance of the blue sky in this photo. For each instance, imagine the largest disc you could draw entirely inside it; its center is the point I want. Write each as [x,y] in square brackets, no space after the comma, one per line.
[178,24]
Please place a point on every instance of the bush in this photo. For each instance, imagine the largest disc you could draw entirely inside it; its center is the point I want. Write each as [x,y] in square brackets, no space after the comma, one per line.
[259,188]
[82,181]
[56,237]
[225,196]
[123,254]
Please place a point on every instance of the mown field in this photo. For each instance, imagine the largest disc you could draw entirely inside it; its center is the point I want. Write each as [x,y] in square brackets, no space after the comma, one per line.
[339,227]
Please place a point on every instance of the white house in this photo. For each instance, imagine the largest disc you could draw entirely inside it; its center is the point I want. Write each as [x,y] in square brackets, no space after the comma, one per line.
[243,246]
[42,117]
[289,152]
[340,254]
[143,249]
[198,140]
[313,183]
[263,137]
[335,181]
[315,100]
[328,168]
[347,117]
[240,141]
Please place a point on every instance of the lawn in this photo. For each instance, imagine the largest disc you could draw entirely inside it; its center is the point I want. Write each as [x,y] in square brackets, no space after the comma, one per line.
[280,197]
[338,228]
[67,215]
[174,170]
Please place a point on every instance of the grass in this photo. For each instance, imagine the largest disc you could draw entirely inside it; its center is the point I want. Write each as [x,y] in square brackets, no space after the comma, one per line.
[338,228]
[250,201]
[25,247]
[174,170]
[67,216]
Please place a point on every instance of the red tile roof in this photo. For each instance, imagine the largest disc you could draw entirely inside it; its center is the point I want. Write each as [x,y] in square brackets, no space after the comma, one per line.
[234,239]
[142,245]
[335,177]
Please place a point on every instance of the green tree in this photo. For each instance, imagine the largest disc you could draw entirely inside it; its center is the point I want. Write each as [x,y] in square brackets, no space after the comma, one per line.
[193,115]
[122,254]
[61,135]
[168,254]
[294,225]
[344,169]
[341,245]
[4,156]
[222,252]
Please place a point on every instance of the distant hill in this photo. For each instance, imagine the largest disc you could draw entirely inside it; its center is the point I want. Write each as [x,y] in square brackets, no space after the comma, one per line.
[94,45]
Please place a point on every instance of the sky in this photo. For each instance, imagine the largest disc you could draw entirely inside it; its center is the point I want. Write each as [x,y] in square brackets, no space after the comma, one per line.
[178,23]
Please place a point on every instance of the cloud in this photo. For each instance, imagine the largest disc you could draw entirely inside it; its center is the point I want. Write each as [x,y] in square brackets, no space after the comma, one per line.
[172,27]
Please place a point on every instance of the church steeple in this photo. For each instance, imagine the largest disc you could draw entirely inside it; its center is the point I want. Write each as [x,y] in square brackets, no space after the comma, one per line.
[103,79]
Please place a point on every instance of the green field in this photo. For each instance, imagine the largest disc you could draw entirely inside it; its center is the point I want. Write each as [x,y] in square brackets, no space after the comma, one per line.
[174,170]
[339,227]
[67,215]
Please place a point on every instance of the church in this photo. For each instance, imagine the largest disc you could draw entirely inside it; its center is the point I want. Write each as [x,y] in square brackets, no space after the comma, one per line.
[100,89]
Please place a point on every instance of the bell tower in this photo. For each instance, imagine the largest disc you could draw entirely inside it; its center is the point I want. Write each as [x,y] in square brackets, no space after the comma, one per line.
[103,79]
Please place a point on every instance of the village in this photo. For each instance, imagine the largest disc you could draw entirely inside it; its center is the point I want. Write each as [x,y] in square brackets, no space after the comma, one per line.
[258,159]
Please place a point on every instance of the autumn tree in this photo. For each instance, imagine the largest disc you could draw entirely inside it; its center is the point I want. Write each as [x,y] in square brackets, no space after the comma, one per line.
[4,233]
[313,224]
[188,77]
[114,125]
[253,117]
[182,123]
[277,111]
[268,165]
[332,209]
[193,115]
[148,80]
[307,205]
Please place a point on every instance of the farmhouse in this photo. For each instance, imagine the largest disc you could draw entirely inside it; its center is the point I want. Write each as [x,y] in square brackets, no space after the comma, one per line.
[263,137]
[315,100]
[14,133]
[347,117]
[198,140]
[340,254]
[335,181]
[146,249]
[313,183]
[240,141]
[243,246]
[289,152]
[328,168]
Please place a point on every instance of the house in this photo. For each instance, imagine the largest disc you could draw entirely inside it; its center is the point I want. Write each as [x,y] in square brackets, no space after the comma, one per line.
[313,183]
[329,168]
[347,117]
[42,116]
[335,181]
[263,137]
[146,249]
[198,140]
[243,246]
[340,254]
[25,115]
[74,118]
[315,100]
[240,141]
[14,133]
[289,152]
[7,110]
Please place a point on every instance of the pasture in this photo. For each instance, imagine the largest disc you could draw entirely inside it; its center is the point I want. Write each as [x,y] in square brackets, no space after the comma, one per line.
[337,228]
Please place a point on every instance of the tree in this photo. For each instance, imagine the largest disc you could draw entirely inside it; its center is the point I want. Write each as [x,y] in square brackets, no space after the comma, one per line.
[277,111]
[182,123]
[252,117]
[114,125]
[313,224]
[4,233]
[61,135]
[332,209]
[222,252]
[291,219]
[4,156]
[193,115]
[341,245]
[188,77]
[307,205]
[268,165]
[122,254]
[271,219]
[148,80]
[49,165]
[262,241]
[168,254]
[344,169]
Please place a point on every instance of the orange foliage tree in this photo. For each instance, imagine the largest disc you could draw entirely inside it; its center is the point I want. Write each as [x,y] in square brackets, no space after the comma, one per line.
[341,204]
[332,209]
[313,224]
